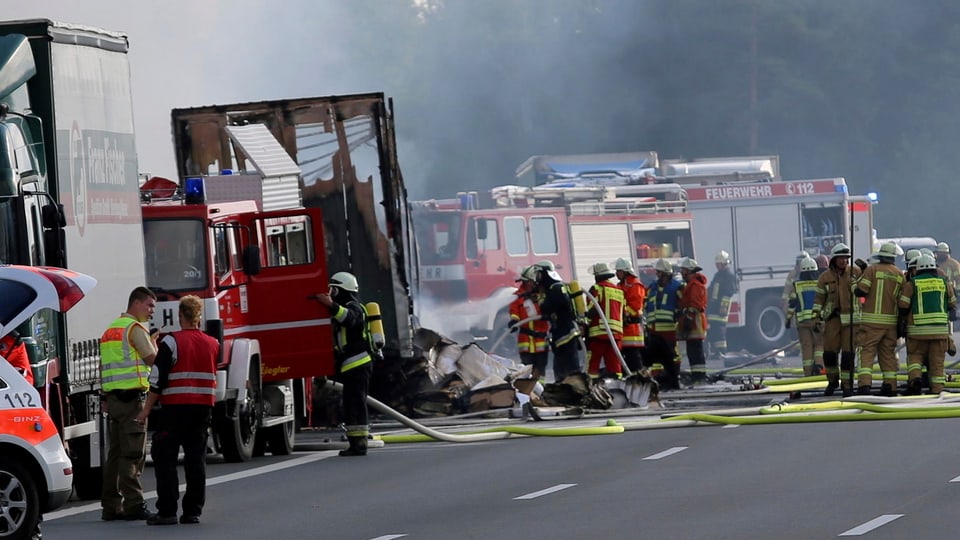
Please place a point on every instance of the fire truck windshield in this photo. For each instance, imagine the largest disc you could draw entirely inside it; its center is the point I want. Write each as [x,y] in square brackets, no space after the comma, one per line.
[438,236]
[175,254]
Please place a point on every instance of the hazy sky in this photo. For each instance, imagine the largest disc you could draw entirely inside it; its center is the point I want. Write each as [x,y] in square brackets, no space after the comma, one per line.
[186,53]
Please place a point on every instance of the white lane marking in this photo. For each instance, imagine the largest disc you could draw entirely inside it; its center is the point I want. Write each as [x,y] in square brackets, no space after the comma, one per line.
[957,479]
[543,492]
[731,426]
[871,525]
[295,462]
[667,452]
[389,537]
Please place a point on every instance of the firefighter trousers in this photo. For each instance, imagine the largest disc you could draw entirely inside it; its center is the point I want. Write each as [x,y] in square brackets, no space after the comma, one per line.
[599,348]
[660,356]
[931,351]
[697,359]
[717,336]
[811,348]
[879,342]
[356,385]
[633,356]
[566,359]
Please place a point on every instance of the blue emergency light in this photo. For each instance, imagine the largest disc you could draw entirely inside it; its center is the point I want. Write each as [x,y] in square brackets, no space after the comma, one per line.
[193,190]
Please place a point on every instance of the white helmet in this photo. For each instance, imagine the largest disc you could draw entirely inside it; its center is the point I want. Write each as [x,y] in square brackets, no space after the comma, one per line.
[802,255]
[912,254]
[529,274]
[943,247]
[927,251]
[926,262]
[888,251]
[840,250]
[663,265]
[690,264]
[546,264]
[808,265]
[345,281]
[722,257]
[624,266]
[601,269]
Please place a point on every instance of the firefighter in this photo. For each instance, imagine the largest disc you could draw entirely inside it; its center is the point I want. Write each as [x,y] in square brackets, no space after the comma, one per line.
[14,351]
[801,309]
[353,357]
[692,317]
[634,296]
[928,302]
[660,354]
[722,288]
[557,308]
[609,305]
[791,277]
[833,313]
[531,335]
[948,265]
[880,284]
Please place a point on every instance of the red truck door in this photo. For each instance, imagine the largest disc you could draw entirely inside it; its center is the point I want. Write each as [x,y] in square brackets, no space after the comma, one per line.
[294,330]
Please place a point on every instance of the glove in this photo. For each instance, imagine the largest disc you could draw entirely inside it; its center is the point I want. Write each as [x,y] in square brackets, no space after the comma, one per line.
[512,323]
[786,323]
[861,264]
[514,329]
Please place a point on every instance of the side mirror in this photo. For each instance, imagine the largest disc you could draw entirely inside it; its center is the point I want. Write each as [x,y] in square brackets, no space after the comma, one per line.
[53,216]
[251,260]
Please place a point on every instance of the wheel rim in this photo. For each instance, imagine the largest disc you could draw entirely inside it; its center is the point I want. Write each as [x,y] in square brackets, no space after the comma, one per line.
[13,503]
[248,419]
[770,324]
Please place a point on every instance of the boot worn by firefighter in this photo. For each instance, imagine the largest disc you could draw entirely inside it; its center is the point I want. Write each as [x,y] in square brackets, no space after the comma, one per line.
[886,390]
[863,390]
[358,446]
[832,385]
[846,389]
[914,387]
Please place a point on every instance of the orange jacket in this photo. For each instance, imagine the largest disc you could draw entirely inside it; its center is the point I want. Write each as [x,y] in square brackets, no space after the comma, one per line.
[635,295]
[693,306]
[532,336]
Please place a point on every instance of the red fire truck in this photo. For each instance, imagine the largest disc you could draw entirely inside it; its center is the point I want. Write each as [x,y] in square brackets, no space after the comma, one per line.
[473,248]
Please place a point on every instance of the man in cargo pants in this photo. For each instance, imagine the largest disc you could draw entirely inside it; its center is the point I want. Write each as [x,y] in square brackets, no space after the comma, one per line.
[833,313]
[127,352]
[928,302]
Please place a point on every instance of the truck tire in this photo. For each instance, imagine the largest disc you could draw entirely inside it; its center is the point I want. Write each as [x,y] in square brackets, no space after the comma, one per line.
[765,318]
[238,435]
[280,439]
[19,500]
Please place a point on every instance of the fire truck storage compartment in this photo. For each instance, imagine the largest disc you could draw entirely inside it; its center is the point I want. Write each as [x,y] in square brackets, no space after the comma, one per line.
[823,227]
[597,242]
[669,240]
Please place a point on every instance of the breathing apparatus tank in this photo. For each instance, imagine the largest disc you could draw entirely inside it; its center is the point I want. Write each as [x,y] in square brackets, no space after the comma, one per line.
[576,294]
[375,325]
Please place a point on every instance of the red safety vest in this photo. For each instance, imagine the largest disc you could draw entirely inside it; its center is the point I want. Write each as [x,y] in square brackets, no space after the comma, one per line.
[193,376]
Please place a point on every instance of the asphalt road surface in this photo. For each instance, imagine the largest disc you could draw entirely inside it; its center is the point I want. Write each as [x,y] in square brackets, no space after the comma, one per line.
[890,479]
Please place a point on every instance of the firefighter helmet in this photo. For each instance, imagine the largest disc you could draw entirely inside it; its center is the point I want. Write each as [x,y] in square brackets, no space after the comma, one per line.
[547,265]
[808,265]
[722,257]
[624,265]
[927,251]
[601,269]
[690,264]
[663,265]
[911,255]
[926,262]
[528,274]
[345,281]
[840,250]
[943,247]
[802,255]
[887,251]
